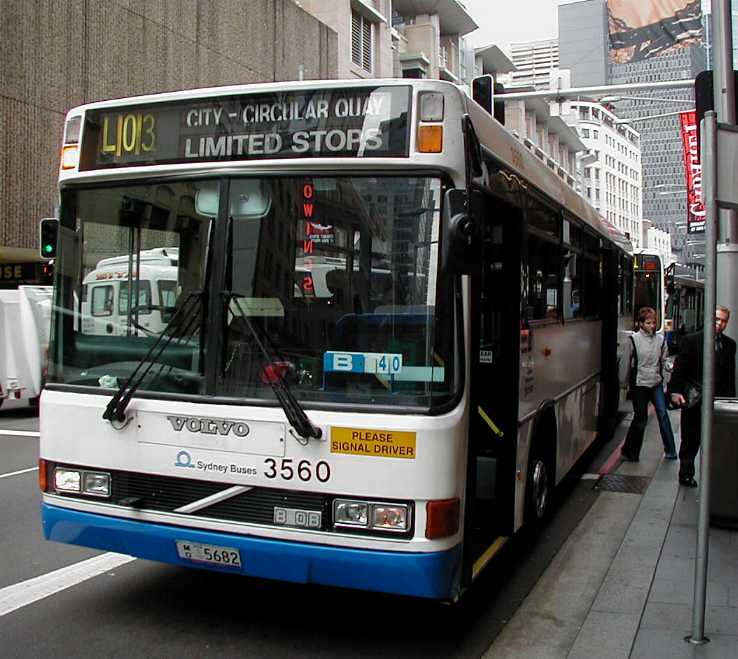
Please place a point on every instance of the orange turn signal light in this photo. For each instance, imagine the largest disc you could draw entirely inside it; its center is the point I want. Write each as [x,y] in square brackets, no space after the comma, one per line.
[430,138]
[69,156]
[42,474]
[442,518]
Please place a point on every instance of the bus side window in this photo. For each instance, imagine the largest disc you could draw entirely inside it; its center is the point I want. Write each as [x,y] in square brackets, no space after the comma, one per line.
[543,277]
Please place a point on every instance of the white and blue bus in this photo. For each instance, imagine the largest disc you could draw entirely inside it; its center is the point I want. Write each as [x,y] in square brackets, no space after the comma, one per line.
[394,332]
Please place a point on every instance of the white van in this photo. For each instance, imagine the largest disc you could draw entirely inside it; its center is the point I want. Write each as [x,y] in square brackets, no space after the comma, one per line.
[106,291]
[24,339]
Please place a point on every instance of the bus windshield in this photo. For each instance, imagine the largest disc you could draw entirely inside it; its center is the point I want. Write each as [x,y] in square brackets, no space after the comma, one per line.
[337,278]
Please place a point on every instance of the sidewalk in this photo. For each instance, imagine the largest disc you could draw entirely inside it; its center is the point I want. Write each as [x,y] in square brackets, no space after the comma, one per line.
[621,586]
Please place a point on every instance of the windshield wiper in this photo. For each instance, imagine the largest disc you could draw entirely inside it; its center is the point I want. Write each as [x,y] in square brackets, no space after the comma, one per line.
[292,408]
[179,326]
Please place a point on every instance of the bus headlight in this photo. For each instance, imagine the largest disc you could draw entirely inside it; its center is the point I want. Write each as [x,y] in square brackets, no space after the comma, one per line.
[68,480]
[389,518]
[371,515]
[350,513]
[96,483]
[91,483]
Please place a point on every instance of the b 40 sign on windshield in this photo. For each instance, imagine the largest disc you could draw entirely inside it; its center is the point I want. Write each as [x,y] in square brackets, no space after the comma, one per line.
[358,122]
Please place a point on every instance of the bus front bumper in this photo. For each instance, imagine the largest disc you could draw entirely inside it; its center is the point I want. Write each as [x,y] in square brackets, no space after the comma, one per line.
[433,575]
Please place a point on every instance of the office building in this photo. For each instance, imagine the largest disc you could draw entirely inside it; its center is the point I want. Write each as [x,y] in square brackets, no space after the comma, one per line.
[62,54]
[534,61]
[661,146]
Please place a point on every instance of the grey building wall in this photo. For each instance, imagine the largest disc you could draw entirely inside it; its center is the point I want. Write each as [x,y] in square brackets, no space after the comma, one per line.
[55,54]
[661,145]
[583,42]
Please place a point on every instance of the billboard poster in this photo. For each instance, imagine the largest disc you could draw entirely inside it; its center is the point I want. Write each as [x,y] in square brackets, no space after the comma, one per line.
[642,29]
[692,172]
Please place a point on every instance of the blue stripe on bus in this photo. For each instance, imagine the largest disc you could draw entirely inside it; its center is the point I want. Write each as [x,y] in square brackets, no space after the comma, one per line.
[433,575]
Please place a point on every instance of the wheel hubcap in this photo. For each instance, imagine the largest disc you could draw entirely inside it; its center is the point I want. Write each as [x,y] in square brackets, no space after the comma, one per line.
[540,488]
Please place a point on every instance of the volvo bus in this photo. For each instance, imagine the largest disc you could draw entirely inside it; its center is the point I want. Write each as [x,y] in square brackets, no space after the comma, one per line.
[387,425]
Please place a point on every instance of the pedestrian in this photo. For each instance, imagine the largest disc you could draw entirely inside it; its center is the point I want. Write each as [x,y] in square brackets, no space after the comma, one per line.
[646,385]
[686,379]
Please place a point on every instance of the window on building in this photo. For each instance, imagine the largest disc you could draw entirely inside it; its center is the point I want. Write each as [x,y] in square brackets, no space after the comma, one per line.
[362,37]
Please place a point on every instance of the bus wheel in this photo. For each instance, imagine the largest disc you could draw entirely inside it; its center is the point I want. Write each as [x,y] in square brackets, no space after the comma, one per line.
[539,489]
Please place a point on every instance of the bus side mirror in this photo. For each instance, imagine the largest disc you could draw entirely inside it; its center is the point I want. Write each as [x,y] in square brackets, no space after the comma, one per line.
[460,242]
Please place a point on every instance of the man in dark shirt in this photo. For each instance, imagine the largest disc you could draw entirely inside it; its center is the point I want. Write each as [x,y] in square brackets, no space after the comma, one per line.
[687,372]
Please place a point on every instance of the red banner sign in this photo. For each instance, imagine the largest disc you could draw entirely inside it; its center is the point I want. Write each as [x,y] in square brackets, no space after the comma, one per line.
[692,172]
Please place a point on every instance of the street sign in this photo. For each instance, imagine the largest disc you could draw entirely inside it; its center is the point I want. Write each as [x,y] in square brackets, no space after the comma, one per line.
[727,166]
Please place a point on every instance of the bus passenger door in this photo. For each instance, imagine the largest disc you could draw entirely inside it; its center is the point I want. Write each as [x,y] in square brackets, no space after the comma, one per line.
[494,359]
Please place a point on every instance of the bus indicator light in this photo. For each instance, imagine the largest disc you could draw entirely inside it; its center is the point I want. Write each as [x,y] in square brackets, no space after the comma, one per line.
[431,106]
[42,481]
[442,518]
[430,139]
[70,156]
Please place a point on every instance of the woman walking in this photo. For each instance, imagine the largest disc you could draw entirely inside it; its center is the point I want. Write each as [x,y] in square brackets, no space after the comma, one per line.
[648,354]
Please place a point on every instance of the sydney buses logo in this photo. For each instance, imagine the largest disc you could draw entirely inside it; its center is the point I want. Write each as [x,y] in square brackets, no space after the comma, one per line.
[206,426]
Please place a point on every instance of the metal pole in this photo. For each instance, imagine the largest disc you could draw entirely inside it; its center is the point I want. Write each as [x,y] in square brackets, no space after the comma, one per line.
[724,101]
[709,164]
[722,62]
[602,90]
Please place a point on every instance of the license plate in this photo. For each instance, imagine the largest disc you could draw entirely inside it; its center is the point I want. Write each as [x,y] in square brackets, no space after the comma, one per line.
[210,554]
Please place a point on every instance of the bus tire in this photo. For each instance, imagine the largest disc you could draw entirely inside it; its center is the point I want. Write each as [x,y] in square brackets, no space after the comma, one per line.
[539,487]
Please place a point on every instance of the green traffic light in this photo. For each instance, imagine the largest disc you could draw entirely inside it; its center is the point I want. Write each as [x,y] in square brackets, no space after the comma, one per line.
[48,249]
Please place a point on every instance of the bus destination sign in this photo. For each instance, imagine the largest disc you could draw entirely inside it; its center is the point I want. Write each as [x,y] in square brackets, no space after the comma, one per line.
[356,122]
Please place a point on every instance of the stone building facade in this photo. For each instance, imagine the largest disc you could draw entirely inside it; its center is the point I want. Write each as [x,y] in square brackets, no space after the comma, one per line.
[55,54]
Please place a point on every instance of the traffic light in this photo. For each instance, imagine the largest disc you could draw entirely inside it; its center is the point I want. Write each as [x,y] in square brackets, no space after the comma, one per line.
[48,231]
[488,93]
[483,91]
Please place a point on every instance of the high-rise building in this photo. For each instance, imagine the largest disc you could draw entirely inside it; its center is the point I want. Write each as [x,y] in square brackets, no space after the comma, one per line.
[582,48]
[611,182]
[664,199]
[664,194]
[534,61]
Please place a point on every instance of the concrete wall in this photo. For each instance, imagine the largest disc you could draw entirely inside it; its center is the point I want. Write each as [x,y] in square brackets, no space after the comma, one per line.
[583,42]
[55,54]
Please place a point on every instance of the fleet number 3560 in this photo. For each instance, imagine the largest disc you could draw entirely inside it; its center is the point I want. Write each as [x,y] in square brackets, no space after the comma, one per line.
[288,469]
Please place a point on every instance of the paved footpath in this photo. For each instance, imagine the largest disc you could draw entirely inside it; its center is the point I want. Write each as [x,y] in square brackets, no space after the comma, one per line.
[622,584]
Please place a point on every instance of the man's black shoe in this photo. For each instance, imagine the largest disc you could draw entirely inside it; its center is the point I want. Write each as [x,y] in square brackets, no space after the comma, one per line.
[688,482]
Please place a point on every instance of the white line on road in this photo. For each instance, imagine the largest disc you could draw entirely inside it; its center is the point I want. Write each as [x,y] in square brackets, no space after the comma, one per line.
[21,433]
[15,473]
[27,592]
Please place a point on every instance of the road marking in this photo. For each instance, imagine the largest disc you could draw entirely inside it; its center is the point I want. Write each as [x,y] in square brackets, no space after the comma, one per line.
[21,433]
[27,592]
[15,473]
[590,477]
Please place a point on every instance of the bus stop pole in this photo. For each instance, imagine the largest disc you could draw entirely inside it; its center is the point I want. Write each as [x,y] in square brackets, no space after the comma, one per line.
[724,103]
[709,174]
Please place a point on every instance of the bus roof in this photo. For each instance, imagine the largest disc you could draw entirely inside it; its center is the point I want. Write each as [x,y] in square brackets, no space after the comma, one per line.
[261,87]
